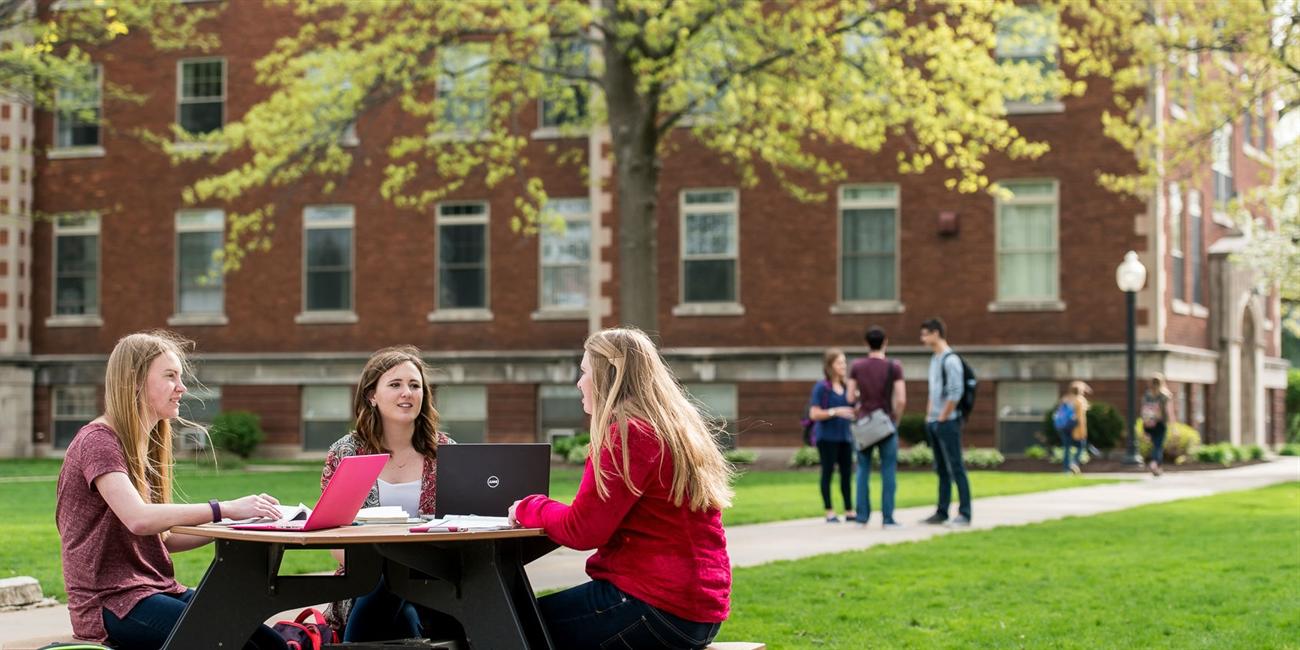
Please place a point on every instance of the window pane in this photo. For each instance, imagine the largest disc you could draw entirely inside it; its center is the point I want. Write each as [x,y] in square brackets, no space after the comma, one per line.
[719,400]
[320,434]
[462,244]
[710,280]
[1027,226]
[709,234]
[461,402]
[200,278]
[77,274]
[201,405]
[560,407]
[573,246]
[869,278]
[461,209]
[329,247]
[463,288]
[869,231]
[326,403]
[201,79]
[564,286]
[201,117]
[694,197]
[869,193]
[329,290]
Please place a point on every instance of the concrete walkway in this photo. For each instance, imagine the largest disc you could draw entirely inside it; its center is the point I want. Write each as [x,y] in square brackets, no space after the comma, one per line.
[789,540]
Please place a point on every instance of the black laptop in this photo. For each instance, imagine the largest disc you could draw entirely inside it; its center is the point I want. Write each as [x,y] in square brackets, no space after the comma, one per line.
[485,478]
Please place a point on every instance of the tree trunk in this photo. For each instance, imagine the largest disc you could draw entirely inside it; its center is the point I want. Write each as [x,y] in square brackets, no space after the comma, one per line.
[632,130]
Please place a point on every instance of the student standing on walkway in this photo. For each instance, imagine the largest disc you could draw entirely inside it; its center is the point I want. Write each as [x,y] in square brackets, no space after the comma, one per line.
[831,411]
[113,504]
[876,383]
[650,502]
[1071,421]
[1157,415]
[943,424]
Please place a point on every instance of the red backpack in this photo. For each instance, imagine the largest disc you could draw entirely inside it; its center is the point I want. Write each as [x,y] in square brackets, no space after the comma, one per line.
[299,634]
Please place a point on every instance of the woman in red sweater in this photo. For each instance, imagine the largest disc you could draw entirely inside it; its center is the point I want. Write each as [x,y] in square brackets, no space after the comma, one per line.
[650,503]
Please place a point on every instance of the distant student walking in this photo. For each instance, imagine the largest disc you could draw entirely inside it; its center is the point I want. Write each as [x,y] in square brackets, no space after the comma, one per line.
[830,410]
[876,384]
[943,424]
[1157,415]
[1070,419]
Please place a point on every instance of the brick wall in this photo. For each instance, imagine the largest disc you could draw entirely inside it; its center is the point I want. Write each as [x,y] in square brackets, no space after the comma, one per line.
[512,413]
[280,408]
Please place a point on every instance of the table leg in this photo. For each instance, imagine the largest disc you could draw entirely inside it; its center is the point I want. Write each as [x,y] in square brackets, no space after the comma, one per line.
[241,589]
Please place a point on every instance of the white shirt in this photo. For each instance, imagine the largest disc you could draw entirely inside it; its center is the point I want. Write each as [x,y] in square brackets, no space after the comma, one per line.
[404,495]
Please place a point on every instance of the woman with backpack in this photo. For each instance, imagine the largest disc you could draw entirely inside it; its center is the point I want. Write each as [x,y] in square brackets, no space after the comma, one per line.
[831,412]
[1071,422]
[114,507]
[1157,414]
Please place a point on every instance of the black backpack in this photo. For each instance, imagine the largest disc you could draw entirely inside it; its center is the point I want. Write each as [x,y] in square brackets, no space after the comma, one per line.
[968,384]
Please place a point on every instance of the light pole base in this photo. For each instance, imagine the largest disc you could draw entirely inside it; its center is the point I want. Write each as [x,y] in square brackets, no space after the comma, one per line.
[1132,458]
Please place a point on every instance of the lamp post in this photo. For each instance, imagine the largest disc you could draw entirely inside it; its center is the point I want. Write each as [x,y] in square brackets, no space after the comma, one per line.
[1131,276]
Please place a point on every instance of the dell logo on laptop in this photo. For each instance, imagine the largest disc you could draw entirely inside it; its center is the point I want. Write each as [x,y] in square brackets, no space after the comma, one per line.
[493,481]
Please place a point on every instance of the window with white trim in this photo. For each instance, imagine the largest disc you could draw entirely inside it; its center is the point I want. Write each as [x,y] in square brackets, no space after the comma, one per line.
[326,415]
[329,80]
[464,85]
[868,243]
[327,245]
[76,265]
[559,411]
[462,411]
[201,95]
[565,243]
[1221,166]
[1255,125]
[73,407]
[710,245]
[1178,261]
[1196,244]
[1022,408]
[78,112]
[1027,242]
[199,281]
[1027,36]
[462,255]
[564,102]
[719,404]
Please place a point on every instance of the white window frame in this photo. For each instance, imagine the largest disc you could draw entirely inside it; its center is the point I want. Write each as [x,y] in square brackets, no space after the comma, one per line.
[1177,227]
[1051,52]
[1196,213]
[329,316]
[484,219]
[469,52]
[349,136]
[841,305]
[180,88]
[88,394]
[563,312]
[343,395]
[1051,302]
[731,307]
[59,151]
[89,224]
[183,226]
[562,129]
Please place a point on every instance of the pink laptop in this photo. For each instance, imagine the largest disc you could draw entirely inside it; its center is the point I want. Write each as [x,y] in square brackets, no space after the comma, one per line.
[340,501]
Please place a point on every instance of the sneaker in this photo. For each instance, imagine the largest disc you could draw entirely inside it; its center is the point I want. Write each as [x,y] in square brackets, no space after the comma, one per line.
[832,519]
[891,524]
[935,518]
[1074,469]
[960,521]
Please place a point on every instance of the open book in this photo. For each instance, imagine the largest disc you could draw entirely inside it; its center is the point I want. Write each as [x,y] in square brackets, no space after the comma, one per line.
[287,514]
[383,515]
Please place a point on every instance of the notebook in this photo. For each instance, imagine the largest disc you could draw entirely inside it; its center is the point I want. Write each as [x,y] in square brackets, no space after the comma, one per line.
[485,478]
[342,497]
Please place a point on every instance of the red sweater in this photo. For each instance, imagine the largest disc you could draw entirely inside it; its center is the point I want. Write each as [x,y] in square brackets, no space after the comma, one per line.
[665,555]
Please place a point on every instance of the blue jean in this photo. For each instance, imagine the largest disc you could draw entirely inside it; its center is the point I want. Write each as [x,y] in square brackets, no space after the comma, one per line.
[150,622]
[1157,435]
[888,479]
[382,615]
[1070,445]
[945,439]
[600,616]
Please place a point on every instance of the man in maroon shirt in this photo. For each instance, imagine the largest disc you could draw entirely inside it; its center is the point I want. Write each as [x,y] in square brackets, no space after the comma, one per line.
[876,382]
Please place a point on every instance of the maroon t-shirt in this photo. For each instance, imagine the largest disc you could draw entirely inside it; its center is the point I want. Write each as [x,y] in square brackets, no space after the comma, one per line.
[873,378]
[104,564]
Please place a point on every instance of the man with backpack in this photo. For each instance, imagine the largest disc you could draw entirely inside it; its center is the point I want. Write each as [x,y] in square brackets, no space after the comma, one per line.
[952,394]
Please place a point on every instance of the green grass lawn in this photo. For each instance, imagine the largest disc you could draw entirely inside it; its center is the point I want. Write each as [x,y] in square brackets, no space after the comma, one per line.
[29,542]
[1216,572]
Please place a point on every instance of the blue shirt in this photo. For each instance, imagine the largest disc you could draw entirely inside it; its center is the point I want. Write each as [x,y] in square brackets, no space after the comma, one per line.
[942,391]
[836,429]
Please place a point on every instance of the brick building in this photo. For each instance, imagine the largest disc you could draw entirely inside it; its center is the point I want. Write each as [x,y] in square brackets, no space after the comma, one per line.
[753,283]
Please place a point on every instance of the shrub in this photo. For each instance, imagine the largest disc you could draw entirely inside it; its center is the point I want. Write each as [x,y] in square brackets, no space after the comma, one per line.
[1058,456]
[806,457]
[1222,453]
[1180,440]
[578,453]
[1290,449]
[1253,452]
[1293,405]
[238,432]
[563,445]
[1036,452]
[911,428]
[1105,427]
[740,456]
[918,455]
[983,458]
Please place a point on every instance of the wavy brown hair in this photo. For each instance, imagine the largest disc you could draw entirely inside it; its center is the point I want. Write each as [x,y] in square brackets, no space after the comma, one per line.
[630,380]
[369,425]
[148,452]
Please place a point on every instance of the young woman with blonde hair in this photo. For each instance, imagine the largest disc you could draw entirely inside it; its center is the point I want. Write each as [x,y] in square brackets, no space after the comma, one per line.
[394,414]
[1075,439]
[1157,413]
[114,504]
[650,503]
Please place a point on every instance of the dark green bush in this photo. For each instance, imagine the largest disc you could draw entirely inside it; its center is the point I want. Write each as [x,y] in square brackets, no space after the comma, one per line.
[238,432]
[918,455]
[1180,440]
[561,446]
[1290,449]
[1105,427]
[1293,405]
[805,457]
[1036,452]
[911,428]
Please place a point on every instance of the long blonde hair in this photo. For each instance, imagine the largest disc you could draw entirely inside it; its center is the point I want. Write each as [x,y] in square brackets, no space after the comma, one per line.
[148,452]
[630,380]
[1159,386]
[370,427]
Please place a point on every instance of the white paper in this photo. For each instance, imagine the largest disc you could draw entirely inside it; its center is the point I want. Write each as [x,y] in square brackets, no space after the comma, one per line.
[470,522]
[287,514]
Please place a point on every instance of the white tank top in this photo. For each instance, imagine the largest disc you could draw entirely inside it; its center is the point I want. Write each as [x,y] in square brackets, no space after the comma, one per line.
[405,495]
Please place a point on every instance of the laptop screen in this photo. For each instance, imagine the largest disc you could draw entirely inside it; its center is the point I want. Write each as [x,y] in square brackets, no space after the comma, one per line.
[485,478]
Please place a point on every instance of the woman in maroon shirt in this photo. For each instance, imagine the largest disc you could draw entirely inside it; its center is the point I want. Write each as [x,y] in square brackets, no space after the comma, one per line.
[650,503]
[114,506]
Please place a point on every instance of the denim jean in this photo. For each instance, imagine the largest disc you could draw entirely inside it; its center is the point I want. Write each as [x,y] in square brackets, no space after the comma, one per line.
[832,454]
[1068,446]
[382,615]
[888,479]
[598,615]
[945,439]
[150,622]
[1157,435]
